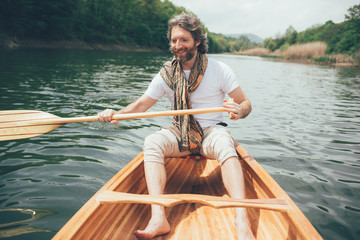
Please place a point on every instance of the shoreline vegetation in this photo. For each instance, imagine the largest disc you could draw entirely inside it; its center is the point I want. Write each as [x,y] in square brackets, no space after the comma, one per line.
[74,44]
[141,26]
[310,53]
[330,43]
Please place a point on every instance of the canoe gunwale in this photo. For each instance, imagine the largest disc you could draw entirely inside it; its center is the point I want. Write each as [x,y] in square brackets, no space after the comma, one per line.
[303,225]
[70,229]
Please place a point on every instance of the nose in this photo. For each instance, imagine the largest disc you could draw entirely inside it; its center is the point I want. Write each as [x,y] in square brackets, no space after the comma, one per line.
[177,44]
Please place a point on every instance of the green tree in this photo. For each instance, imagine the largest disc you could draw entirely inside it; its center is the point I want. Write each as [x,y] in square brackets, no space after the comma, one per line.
[270,43]
[137,22]
[353,29]
[354,13]
[290,35]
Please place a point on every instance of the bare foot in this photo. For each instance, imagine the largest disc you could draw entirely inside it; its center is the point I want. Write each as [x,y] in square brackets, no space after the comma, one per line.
[154,228]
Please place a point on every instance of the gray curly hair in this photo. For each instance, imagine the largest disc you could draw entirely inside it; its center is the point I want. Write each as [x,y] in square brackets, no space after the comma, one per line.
[190,23]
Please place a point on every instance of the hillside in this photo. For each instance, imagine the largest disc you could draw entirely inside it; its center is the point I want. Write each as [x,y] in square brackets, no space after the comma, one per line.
[252,37]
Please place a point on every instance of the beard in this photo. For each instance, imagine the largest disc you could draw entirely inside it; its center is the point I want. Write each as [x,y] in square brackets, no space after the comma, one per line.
[190,53]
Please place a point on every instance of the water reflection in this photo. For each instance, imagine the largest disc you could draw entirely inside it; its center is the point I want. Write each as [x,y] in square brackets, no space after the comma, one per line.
[16,217]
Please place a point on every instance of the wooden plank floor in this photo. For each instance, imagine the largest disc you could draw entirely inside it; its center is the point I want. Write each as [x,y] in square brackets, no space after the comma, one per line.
[188,221]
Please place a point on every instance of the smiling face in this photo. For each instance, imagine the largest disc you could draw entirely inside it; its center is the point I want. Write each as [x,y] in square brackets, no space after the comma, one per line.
[183,44]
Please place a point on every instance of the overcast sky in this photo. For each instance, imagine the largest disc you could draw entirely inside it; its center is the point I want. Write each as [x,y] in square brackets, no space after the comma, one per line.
[265,18]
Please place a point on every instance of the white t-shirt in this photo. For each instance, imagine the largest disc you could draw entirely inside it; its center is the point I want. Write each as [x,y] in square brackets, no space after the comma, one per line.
[218,80]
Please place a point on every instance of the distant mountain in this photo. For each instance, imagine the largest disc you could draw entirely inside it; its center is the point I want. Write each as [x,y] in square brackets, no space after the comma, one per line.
[253,38]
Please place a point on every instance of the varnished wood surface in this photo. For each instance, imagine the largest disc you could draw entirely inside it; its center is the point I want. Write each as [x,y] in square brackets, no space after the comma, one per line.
[18,124]
[170,200]
[191,220]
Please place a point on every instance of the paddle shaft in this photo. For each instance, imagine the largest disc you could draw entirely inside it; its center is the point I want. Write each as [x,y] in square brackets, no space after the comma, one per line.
[19,124]
[126,116]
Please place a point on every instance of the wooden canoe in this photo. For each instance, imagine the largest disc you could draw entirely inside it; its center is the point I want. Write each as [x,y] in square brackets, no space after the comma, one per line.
[189,220]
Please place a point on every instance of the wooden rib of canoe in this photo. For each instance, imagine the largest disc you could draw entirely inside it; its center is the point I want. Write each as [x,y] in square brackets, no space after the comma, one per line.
[189,220]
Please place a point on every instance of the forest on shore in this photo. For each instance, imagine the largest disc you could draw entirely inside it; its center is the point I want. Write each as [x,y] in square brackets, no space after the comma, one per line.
[133,23]
[142,24]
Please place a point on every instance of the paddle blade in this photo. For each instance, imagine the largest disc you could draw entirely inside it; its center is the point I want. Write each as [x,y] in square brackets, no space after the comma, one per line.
[18,124]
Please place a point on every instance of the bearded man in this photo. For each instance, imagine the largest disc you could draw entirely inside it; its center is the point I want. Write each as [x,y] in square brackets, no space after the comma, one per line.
[191,80]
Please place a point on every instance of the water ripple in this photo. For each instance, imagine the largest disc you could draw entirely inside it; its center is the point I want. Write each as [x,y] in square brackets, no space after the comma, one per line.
[303,130]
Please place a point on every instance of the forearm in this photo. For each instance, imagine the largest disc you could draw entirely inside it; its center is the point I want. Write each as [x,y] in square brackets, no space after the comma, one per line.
[133,107]
[239,106]
[245,108]
[140,105]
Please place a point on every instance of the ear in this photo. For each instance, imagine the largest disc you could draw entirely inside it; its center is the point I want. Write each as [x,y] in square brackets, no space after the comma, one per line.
[198,43]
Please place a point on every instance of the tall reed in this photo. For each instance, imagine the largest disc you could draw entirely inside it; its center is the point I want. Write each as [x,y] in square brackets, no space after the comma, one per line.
[309,50]
[255,52]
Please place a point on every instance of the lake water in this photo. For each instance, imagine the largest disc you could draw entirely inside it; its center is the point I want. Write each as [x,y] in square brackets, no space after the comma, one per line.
[304,130]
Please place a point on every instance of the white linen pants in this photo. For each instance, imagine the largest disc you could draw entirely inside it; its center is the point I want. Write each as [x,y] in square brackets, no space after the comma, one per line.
[217,144]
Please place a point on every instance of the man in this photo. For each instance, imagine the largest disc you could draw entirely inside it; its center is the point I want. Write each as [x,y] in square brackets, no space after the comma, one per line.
[191,80]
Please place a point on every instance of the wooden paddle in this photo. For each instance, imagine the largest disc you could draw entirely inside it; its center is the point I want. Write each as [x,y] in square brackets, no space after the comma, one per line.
[169,200]
[17,124]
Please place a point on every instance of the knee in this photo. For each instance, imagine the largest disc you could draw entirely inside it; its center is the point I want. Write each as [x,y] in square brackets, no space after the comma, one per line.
[153,150]
[221,141]
[222,146]
[152,142]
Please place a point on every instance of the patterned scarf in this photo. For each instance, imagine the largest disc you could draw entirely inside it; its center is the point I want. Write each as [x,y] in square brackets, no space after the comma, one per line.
[186,129]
